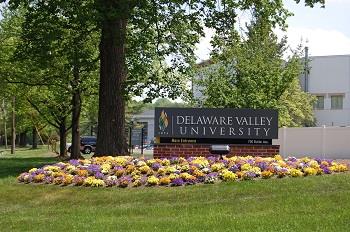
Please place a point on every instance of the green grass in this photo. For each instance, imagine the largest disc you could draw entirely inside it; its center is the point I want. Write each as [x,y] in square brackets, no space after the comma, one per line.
[319,203]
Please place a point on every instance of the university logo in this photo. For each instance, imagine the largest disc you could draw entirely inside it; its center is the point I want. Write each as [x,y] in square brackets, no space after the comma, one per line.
[163,121]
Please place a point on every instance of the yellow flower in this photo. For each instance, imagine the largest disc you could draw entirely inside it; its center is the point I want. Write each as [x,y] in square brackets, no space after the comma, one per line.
[165,162]
[170,169]
[228,176]
[106,167]
[144,169]
[93,182]
[201,162]
[150,162]
[137,183]
[161,171]
[295,172]
[32,170]
[310,171]
[164,180]
[266,174]
[52,168]
[71,169]
[141,163]
[246,167]
[152,180]
[120,161]
[130,168]
[217,167]
[187,176]
[338,167]
[173,176]
[68,179]
[82,172]
[278,157]
[39,178]
[313,164]
[198,173]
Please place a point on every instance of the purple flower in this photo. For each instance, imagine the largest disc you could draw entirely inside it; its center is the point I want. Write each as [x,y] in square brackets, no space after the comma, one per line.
[190,159]
[78,180]
[48,179]
[213,175]
[124,181]
[249,175]
[191,181]
[39,171]
[326,170]
[111,181]
[200,179]
[94,168]
[292,164]
[262,165]
[118,168]
[60,165]
[318,160]
[213,159]
[99,175]
[74,162]
[177,182]
[225,162]
[156,166]
[250,161]
[234,168]
[174,160]
[292,159]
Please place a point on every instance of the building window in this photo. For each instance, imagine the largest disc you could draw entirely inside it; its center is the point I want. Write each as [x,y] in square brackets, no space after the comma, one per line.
[336,102]
[319,104]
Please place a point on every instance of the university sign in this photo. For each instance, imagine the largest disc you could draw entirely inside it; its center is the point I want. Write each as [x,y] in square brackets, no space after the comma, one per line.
[220,125]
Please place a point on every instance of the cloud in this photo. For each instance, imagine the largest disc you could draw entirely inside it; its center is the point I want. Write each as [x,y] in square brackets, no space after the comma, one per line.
[321,42]
[204,47]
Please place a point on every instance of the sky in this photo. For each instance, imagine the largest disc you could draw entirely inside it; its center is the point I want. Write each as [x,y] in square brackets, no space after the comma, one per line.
[326,29]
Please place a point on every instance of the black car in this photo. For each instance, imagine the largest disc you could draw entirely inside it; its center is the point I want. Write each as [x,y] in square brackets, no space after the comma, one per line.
[87,144]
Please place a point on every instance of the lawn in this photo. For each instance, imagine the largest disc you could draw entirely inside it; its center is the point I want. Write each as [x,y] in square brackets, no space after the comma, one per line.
[316,203]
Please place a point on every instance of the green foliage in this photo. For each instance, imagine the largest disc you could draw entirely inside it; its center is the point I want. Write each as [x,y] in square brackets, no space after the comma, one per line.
[156,30]
[252,73]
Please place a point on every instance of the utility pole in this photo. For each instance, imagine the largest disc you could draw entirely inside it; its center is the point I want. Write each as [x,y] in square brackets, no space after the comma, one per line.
[306,70]
[13,144]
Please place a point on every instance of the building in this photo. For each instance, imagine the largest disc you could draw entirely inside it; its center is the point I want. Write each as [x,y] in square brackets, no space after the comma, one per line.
[329,81]
[147,119]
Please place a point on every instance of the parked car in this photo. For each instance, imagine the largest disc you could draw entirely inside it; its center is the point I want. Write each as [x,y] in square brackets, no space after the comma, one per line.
[87,144]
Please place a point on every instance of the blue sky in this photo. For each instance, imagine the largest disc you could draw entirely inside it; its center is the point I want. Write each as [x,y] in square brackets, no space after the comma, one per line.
[327,30]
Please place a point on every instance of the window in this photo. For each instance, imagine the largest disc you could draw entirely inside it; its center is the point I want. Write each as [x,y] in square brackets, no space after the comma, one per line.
[337,102]
[319,104]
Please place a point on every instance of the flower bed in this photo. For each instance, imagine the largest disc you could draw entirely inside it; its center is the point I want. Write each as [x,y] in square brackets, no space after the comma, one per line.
[133,172]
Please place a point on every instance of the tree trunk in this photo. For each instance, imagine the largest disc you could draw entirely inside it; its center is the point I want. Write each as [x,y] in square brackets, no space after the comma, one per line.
[76,104]
[23,139]
[63,138]
[13,128]
[111,115]
[34,138]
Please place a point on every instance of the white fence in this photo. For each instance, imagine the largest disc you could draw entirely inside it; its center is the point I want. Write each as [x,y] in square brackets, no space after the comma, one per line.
[322,142]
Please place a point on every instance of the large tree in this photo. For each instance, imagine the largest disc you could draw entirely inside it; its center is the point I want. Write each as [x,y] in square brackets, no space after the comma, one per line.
[137,34]
[253,72]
